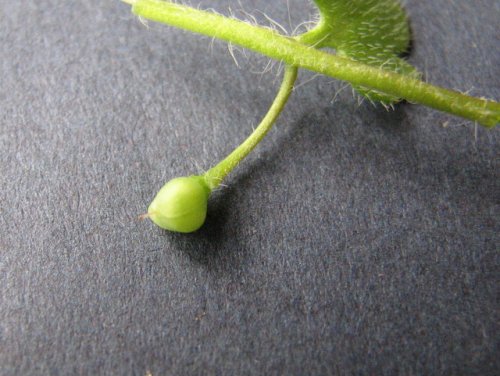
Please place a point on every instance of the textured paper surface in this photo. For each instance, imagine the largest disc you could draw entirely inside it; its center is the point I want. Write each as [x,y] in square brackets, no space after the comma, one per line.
[353,241]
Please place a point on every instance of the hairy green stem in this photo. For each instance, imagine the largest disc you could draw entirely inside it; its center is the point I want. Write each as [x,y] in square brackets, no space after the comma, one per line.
[294,52]
[216,175]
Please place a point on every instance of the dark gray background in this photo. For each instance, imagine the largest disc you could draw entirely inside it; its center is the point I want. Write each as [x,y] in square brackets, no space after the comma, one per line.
[353,241]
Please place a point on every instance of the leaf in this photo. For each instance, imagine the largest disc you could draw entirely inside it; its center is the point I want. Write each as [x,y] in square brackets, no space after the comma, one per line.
[374,32]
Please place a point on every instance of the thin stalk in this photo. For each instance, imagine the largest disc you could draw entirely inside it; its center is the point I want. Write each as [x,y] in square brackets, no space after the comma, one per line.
[294,53]
[216,175]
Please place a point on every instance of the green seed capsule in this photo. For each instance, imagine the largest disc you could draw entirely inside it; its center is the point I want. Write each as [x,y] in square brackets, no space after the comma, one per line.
[181,204]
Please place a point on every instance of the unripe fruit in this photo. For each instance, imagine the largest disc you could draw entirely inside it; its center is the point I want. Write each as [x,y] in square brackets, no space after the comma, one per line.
[181,204]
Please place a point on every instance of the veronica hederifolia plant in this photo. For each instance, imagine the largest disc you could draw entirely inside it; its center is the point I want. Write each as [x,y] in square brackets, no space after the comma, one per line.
[368,37]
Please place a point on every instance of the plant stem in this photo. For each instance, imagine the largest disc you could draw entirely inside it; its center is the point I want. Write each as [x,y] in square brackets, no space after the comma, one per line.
[295,53]
[216,175]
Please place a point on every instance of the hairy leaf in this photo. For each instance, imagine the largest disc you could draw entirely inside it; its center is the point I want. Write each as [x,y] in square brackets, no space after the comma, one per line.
[374,32]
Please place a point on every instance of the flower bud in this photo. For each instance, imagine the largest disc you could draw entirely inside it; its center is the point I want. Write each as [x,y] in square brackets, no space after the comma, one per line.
[181,204]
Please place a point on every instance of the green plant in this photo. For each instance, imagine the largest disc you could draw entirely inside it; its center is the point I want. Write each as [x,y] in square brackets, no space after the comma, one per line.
[368,36]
